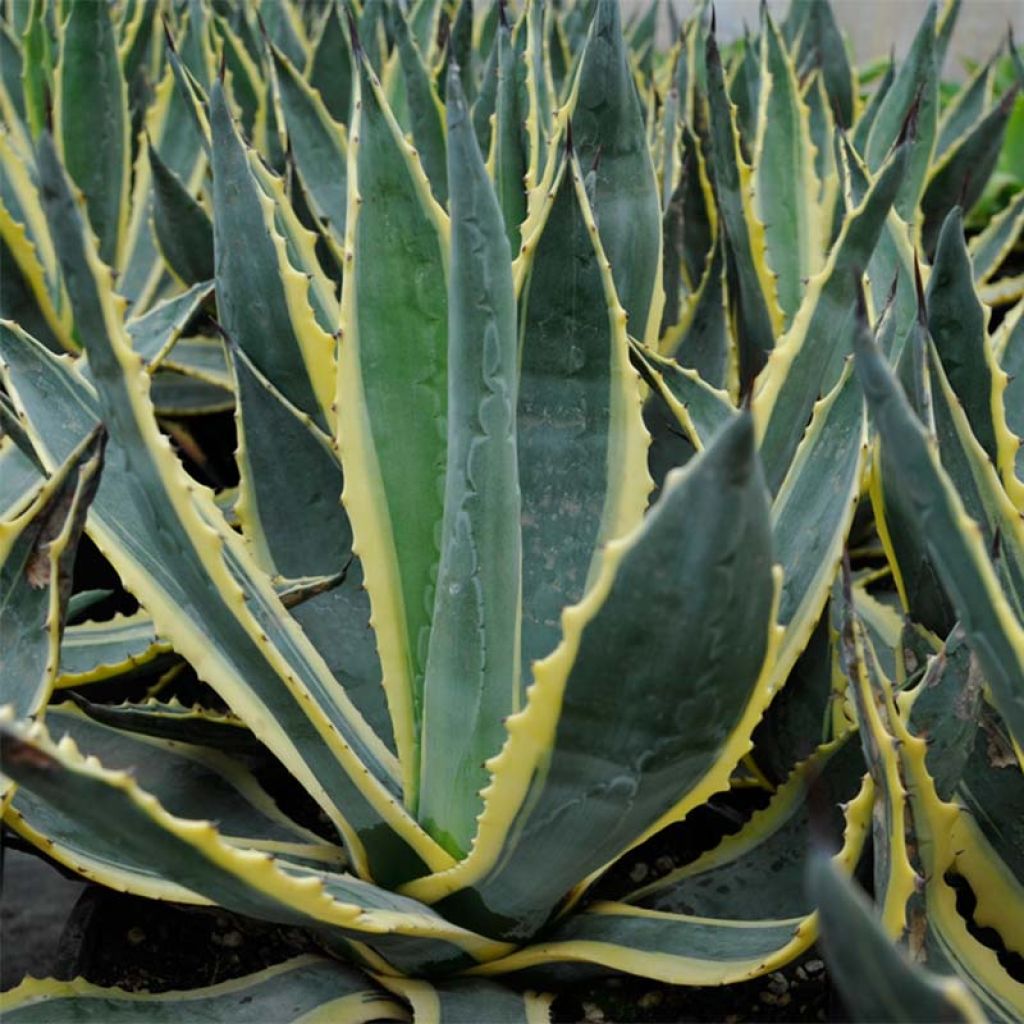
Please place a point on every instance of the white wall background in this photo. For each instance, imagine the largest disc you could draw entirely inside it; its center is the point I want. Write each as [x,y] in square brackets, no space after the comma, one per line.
[874,26]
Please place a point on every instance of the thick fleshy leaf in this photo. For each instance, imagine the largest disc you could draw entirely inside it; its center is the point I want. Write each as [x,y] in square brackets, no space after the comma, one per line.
[636,768]
[426,113]
[262,299]
[957,323]
[469,1001]
[92,119]
[159,855]
[960,177]
[813,511]
[290,512]
[579,409]
[995,242]
[508,156]
[809,358]
[189,781]
[785,183]
[611,143]
[700,409]
[182,227]
[20,478]
[318,146]
[471,681]
[965,109]
[37,552]
[289,991]
[821,41]
[392,369]
[877,980]
[914,95]
[155,333]
[330,71]
[247,649]
[94,651]
[953,542]
[751,288]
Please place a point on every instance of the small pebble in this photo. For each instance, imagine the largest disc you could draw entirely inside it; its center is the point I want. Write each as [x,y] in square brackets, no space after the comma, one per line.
[778,983]
[664,864]
[232,939]
[135,936]
[801,974]
[650,999]
[768,997]
[639,872]
[593,1012]
[814,966]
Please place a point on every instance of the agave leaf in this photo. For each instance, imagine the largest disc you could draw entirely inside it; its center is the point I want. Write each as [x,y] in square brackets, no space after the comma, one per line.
[262,299]
[1011,356]
[751,289]
[37,552]
[290,512]
[990,247]
[92,120]
[992,791]
[895,861]
[170,131]
[700,409]
[953,541]
[426,112]
[978,486]
[37,67]
[243,80]
[532,805]
[184,234]
[539,87]
[20,478]
[967,106]
[318,145]
[700,340]
[866,121]
[611,143]
[155,333]
[957,323]
[769,854]
[579,408]
[508,157]
[487,95]
[914,94]
[472,670]
[157,854]
[222,637]
[945,711]
[813,511]
[394,345]
[463,1000]
[284,29]
[28,253]
[175,395]
[821,41]
[289,990]
[877,980]
[94,651]
[189,782]
[330,70]
[925,841]
[960,177]
[810,352]
[785,184]
[172,720]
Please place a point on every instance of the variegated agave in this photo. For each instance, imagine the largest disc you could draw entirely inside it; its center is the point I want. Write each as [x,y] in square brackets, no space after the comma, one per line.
[571,593]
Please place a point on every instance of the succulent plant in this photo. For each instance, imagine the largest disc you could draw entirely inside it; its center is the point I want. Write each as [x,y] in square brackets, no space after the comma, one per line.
[561,517]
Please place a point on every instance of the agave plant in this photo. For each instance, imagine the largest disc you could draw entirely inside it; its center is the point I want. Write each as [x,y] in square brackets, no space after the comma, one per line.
[549,448]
